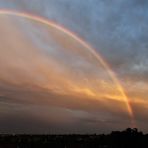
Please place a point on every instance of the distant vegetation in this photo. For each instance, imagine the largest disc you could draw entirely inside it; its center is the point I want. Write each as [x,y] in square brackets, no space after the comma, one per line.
[130,138]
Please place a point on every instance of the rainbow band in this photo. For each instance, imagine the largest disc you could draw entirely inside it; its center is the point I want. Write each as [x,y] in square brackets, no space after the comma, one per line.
[77,38]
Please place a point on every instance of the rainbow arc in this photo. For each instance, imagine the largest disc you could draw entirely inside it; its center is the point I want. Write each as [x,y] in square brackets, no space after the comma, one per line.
[82,42]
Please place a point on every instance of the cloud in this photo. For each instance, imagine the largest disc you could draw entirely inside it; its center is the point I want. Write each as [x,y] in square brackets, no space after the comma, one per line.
[115,26]
[117,29]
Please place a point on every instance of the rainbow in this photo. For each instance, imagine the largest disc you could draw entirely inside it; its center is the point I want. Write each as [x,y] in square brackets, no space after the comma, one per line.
[81,41]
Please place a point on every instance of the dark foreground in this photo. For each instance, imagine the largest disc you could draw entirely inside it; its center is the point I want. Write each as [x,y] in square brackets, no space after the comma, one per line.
[130,138]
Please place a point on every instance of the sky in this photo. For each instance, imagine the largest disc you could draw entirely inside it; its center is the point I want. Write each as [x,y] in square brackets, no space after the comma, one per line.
[50,82]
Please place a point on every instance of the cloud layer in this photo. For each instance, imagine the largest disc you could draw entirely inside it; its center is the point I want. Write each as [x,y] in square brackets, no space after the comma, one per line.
[44,73]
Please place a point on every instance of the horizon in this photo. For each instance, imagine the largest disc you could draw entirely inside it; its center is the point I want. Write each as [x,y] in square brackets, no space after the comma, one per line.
[74,134]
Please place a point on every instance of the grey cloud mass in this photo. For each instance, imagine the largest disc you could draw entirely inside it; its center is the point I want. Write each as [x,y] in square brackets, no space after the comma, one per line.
[116,27]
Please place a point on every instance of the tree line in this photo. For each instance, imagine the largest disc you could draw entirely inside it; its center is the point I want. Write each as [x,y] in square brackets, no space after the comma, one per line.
[129,138]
